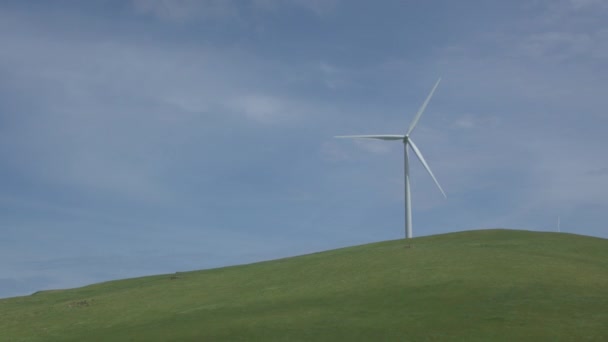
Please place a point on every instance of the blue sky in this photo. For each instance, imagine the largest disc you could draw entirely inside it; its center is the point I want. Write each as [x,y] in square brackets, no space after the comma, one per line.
[144,137]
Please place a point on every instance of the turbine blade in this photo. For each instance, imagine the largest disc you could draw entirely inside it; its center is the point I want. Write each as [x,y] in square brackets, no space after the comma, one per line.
[422,108]
[426,166]
[381,137]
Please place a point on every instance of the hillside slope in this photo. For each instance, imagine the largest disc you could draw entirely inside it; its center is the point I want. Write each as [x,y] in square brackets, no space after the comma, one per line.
[486,285]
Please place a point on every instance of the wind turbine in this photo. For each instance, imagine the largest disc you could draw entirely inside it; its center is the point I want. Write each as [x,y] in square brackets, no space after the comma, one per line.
[407,141]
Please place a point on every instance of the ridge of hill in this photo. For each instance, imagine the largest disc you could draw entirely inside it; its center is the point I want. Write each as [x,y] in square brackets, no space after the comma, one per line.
[485,285]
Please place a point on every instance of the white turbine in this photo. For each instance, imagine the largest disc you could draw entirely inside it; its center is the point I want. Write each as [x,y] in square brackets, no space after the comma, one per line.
[407,141]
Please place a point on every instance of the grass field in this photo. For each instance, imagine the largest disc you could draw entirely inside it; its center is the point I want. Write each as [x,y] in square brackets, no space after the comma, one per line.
[490,285]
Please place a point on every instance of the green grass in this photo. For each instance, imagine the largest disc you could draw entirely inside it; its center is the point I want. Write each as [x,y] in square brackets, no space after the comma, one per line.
[491,285]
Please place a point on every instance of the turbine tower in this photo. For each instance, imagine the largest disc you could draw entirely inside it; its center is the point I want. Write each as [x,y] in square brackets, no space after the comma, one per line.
[407,141]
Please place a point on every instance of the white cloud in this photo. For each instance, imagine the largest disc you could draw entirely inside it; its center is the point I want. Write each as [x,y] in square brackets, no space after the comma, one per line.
[470,122]
[320,7]
[556,45]
[332,151]
[187,10]
[261,108]
[564,46]
[181,10]
[580,4]
[570,173]
[375,146]
[108,112]
[560,12]
[601,172]
[465,122]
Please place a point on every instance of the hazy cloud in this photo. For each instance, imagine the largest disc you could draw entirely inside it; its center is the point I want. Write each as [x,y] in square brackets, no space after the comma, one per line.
[190,10]
[602,171]
[319,7]
[186,141]
[261,108]
[181,10]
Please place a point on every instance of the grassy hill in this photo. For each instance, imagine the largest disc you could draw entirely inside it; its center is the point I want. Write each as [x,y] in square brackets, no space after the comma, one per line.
[491,285]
